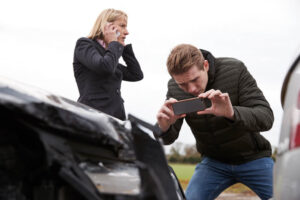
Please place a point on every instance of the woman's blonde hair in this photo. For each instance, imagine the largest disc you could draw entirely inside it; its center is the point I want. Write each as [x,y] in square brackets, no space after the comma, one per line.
[108,15]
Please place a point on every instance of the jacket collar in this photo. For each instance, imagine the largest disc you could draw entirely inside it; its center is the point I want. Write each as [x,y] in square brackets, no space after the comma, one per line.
[212,69]
[98,46]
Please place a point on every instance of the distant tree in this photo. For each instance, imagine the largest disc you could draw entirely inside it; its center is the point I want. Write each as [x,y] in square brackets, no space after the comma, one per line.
[190,150]
[176,149]
[174,155]
[191,154]
[188,155]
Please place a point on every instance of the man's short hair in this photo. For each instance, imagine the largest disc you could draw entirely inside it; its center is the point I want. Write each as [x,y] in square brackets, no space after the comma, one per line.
[183,57]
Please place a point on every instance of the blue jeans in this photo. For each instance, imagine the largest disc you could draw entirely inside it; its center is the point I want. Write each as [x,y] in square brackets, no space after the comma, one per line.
[211,177]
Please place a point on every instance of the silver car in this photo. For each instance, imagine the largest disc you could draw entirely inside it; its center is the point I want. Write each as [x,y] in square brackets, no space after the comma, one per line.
[287,166]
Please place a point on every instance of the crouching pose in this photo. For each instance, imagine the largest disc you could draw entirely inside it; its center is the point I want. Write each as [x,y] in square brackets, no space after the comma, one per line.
[227,134]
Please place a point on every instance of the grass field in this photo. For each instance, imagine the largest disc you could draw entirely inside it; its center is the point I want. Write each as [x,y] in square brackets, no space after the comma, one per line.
[184,173]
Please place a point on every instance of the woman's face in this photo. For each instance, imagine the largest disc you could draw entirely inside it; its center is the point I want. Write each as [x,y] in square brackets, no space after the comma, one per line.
[121,25]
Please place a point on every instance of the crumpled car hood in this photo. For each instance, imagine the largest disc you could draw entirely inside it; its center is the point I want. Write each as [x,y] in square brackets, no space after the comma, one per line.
[66,117]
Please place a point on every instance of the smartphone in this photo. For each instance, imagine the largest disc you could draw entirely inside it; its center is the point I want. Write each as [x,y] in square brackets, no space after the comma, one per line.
[191,105]
[117,33]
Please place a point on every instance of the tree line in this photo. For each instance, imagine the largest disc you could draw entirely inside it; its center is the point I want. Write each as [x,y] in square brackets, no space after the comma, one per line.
[187,153]
[183,153]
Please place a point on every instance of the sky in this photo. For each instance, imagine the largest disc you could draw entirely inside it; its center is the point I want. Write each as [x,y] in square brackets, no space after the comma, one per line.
[37,40]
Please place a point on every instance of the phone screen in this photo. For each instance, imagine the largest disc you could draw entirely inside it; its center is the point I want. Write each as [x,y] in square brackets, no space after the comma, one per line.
[191,105]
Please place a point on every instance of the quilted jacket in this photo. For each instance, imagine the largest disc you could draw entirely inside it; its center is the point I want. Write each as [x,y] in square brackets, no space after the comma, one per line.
[231,141]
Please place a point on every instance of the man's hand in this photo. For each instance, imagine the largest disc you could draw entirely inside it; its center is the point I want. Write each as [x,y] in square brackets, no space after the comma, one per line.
[166,117]
[221,104]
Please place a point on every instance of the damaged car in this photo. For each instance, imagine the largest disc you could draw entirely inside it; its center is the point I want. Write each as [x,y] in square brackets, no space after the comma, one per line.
[54,148]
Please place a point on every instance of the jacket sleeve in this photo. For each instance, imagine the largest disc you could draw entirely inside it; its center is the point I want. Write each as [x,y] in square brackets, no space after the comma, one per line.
[131,72]
[172,133]
[89,56]
[254,112]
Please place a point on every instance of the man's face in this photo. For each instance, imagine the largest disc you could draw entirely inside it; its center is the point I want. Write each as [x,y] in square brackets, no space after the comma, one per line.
[193,81]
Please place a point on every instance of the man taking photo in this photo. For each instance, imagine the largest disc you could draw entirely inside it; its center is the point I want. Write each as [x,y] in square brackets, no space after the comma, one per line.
[227,134]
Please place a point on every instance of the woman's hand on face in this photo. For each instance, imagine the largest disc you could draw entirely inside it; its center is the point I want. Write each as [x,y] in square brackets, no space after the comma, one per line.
[110,33]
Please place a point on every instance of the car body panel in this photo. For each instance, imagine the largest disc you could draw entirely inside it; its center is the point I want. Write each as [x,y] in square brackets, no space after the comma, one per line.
[287,165]
[53,148]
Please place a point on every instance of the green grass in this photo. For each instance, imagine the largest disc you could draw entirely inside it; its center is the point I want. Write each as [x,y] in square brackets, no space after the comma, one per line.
[183,171]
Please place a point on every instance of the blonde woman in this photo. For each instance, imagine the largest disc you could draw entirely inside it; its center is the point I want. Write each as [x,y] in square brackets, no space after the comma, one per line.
[97,70]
